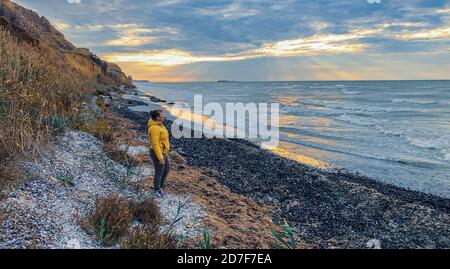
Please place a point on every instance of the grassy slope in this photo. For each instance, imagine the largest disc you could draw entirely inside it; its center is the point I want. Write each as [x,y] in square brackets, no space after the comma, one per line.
[39,96]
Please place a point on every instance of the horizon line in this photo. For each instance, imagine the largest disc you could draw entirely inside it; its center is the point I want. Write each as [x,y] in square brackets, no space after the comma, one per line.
[232,81]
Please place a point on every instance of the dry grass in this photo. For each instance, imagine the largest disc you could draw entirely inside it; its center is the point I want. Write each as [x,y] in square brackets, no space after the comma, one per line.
[150,237]
[9,176]
[110,220]
[37,100]
[120,156]
[101,129]
[147,212]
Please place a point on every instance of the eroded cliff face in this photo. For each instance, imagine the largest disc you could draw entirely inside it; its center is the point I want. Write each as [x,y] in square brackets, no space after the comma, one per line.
[37,31]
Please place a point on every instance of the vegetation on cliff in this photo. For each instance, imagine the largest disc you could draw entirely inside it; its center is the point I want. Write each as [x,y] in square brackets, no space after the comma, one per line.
[43,78]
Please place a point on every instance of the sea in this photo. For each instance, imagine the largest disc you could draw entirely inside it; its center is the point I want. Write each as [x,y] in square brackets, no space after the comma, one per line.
[397,132]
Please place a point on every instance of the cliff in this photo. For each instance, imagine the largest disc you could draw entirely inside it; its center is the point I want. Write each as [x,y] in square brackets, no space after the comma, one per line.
[33,29]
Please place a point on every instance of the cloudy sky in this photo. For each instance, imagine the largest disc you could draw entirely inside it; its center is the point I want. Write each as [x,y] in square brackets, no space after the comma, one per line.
[199,40]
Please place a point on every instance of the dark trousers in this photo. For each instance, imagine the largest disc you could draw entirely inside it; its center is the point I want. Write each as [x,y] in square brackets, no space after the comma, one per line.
[161,171]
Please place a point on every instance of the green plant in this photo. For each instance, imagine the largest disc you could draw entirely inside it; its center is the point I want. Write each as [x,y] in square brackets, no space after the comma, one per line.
[178,216]
[67,179]
[285,237]
[57,124]
[205,242]
[122,157]
[130,169]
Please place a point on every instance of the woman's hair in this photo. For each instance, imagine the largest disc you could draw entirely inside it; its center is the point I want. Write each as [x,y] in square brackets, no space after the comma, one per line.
[155,113]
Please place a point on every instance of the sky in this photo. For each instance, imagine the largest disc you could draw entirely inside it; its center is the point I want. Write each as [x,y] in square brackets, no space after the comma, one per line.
[260,40]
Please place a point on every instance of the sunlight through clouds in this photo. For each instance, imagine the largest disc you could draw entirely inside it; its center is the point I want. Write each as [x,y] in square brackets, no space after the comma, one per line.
[318,44]
[216,38]
[131,35]
[439,33]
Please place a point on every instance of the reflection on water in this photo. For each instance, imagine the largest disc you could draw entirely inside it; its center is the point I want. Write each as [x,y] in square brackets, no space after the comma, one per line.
[286,120]
[288,100]
[289,150]
[310,139]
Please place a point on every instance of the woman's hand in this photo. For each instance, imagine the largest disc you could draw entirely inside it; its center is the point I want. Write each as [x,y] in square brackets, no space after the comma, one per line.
[161,162]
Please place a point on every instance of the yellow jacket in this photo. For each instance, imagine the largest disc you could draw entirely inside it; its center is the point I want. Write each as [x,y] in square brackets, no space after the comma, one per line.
[159,138]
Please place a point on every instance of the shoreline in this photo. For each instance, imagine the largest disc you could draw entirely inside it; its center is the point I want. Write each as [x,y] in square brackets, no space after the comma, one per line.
[332,208]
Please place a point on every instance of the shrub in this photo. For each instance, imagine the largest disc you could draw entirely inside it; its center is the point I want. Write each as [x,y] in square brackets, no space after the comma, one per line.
[150,237]
[101,129]
[147,212]
[110,220]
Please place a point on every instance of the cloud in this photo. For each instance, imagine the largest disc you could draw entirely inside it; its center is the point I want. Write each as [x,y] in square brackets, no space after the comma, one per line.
[126,35]
[74,1]
[131,35]
[314,45]
[183,34]
[320,44]
[437,33]
[60,25]
[443,11]
[233,11]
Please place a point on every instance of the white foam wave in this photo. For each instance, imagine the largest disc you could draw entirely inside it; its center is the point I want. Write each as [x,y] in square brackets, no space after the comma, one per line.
[424,143]
[347,106]
[356,120]
[414,101]
[436,144]
[389,132]
[446,155]
[348,92]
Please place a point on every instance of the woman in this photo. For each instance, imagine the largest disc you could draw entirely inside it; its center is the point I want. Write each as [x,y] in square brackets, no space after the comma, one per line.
[159,150]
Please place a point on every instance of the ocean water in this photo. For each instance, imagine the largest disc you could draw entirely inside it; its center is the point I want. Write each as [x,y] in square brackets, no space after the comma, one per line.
[394,131]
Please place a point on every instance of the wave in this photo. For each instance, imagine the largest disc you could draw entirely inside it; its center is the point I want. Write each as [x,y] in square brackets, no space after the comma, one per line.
[389,132]
[349,106]
[356,120]
[431,144]
[312,112]
[434,144]
[446,154]
[411,101]
[348,92]
[424,143]
[411,162]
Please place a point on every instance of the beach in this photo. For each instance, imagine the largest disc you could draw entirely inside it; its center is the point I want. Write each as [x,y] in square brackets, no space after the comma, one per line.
[331,208]
[361,154]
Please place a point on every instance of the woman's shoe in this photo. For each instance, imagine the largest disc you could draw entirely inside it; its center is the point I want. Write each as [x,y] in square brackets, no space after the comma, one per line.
[156,194]
[162,193]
